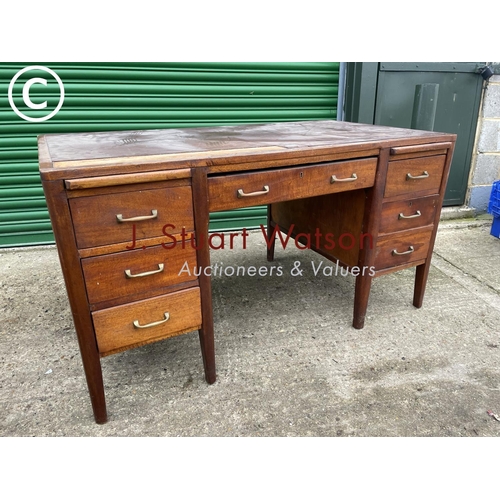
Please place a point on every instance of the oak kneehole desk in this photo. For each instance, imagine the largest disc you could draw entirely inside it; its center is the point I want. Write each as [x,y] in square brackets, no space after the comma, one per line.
[326,176]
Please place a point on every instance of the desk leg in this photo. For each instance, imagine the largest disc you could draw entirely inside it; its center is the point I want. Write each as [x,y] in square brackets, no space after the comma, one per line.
[93,373]
[361,296]
[75,287]
[270,228]
[201,220]
[421,274]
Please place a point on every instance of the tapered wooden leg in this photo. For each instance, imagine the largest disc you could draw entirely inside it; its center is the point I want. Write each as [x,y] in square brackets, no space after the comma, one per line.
[421,273]
[93,373]
[208,353]
[270,228]
[201,220]
[57,204]
[361,296]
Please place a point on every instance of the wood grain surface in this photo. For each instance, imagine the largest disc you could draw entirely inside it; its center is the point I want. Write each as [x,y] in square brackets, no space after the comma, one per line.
[391,220]
[95,217]
[115,328]
[106,279]
[218,148]
[398,182]
[290,183]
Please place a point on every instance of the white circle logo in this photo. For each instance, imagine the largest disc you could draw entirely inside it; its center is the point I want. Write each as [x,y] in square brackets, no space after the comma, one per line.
[26,93]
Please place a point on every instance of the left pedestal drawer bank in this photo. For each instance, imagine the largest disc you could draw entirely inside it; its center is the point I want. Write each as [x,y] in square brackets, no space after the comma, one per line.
[123,241]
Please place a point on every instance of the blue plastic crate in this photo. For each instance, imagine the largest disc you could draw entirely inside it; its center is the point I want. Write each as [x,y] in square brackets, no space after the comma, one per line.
[495,227]
[494,205]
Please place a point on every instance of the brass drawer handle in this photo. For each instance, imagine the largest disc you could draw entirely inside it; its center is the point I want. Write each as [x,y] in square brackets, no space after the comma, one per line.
[414,216]
[154,214]
[410,250]
[241,194]
[128,274]
[347,179]
[410,177]
[156,323]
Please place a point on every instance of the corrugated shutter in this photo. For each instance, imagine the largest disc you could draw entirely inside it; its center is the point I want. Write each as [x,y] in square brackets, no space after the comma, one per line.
[119,96]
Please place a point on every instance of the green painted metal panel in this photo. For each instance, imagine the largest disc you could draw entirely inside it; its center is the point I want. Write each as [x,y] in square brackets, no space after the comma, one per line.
[384,94]
[129,96]
[457,108]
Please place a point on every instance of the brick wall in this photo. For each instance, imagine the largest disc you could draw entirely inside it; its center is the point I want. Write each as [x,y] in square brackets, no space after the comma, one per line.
[486,159]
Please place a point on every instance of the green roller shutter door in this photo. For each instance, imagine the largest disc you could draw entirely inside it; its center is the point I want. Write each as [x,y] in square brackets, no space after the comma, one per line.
[129,96]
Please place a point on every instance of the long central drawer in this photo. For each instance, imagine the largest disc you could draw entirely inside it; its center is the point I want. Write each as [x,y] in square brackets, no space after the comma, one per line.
[263,187]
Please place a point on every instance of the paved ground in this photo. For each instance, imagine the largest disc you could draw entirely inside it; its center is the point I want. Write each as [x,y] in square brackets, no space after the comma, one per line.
[289,363]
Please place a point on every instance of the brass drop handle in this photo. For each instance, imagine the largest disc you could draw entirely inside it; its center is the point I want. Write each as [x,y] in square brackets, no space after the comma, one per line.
[410,250]
[128,274]
[346,179]
[156,323]
[241,194]
[410,177]
[414,216]
[154,215]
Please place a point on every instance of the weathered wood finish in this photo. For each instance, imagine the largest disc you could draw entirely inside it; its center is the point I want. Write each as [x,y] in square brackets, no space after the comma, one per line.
[126,188]
[201,216]
[126,246]
[422,270]
[403,215]
[397,176]
[221,149]
[96,224]
[335,215]
[126,179]
[115,330]
[420,149]
[106,279]
[402,242]
[371,224]
[90,178]
[290,183]
[75,287]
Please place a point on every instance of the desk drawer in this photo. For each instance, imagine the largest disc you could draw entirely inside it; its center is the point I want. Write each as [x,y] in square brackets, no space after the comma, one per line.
[402,248]
[414,175]
[264,187]
[136,271]
[408,214]
[145,321]
[96,218]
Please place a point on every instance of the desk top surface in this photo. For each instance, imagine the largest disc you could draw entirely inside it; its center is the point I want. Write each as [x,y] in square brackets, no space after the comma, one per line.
[217,146]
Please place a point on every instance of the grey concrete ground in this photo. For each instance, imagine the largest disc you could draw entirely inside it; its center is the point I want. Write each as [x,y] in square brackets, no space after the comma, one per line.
[289,363]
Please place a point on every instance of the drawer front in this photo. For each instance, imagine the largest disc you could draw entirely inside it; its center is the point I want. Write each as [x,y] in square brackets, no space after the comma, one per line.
[264,187]
[118,328]
[408,214]
[136,271]
[414,175]
[96,219]
[401,248]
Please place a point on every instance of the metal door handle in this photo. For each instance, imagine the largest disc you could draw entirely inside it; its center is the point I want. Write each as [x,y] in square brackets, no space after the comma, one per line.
[241,194]
[156,323]
[414,216]
[413,177]
[154,214]
[347,179]
[410,250]
[128,274]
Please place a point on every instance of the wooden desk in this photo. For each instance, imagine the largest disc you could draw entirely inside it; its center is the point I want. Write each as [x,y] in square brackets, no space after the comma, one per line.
[118,202]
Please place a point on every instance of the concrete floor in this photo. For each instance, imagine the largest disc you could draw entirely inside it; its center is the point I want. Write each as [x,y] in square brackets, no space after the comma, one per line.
[288,361]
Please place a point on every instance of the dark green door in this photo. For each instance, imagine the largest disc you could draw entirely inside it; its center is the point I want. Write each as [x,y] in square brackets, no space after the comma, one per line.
[458,100]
